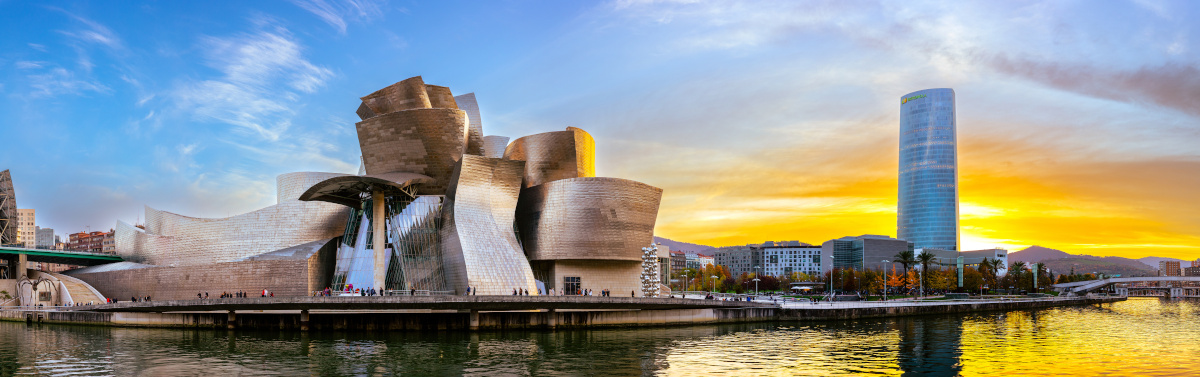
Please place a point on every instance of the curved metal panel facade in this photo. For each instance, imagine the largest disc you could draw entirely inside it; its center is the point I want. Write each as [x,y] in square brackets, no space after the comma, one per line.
[475,143]
[479,247]
[552,156]
[588,219]
[407,94]
[181,240]
[440,97]
[493,146]
[928,203]
[422,141]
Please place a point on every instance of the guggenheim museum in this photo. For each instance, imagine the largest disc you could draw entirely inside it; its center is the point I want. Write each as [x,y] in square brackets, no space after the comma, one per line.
[435,207]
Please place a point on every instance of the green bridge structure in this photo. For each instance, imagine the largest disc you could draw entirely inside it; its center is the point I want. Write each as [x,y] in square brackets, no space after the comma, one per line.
[16,259]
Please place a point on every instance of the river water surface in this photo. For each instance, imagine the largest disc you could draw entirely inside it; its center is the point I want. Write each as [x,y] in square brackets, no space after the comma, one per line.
[1141,336]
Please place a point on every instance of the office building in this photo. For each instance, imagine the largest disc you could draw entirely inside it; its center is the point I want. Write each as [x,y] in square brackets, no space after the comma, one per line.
[927,213]
[774,258]
[1169,268]
[867,251]
[785,258]
[26,228]
[44,238]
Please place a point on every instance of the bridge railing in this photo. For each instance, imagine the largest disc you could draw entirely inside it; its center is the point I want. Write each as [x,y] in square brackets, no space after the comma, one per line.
[395,292]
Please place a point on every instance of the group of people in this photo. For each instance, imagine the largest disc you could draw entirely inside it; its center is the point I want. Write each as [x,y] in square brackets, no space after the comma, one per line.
[239,294]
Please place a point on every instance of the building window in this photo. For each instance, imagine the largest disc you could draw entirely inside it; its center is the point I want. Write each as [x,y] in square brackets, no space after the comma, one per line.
[572,285]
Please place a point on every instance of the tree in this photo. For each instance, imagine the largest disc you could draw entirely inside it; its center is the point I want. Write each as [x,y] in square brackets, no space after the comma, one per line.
[989,268]
[925,258]
[895,280]
[972,280]
[1016,271]
[905,259]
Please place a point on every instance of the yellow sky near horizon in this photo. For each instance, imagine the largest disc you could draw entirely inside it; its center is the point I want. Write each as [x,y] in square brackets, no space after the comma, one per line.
[1013,194]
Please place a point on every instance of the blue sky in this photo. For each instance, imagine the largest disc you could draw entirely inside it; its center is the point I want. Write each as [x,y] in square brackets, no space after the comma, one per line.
[762,120]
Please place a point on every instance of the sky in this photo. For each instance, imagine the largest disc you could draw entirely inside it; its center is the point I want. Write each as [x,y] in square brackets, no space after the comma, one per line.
[1078,121]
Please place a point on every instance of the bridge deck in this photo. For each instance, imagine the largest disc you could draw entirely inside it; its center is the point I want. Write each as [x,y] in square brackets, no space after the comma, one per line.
[483,303]
[59,256]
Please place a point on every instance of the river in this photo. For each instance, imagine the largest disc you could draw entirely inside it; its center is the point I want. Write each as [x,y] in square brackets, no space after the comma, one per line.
[1142,336]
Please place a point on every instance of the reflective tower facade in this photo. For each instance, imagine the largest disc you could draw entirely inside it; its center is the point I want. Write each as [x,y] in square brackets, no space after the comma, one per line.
[928,205]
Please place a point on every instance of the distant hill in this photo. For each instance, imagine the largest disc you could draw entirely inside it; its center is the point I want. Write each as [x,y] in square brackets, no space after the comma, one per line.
[682,246]
[1062,262]
[1087,264]
[1034,254]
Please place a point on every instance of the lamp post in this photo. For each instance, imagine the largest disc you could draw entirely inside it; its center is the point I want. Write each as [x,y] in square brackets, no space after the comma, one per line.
[921,278]
[756,268]
[685,282]
[885,281]
[831,259]
[714,284]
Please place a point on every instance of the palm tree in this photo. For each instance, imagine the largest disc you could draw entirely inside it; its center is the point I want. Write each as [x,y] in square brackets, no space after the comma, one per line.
[905,258]
[1016,269]
[988,268]
[925,258]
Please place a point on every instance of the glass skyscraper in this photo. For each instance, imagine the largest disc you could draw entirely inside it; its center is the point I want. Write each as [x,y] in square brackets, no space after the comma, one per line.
[928,205]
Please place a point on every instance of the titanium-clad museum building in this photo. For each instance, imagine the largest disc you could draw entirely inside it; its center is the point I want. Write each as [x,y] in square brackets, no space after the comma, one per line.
[436,206]
[928,203]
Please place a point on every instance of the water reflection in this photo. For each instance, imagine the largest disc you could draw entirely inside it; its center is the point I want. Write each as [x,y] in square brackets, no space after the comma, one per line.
[1142,337]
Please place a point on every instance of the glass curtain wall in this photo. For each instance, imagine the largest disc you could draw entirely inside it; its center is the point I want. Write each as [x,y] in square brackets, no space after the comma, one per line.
[413,246]
[928,200]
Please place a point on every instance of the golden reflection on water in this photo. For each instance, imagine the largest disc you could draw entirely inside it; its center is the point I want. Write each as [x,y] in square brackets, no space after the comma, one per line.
[1139,337]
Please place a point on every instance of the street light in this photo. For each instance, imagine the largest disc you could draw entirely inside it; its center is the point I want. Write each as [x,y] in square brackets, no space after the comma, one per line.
[830,277]
[756,268]
[714,284]
[885,280]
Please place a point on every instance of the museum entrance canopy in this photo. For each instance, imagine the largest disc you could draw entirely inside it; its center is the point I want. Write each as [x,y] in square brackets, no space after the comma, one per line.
[348,190]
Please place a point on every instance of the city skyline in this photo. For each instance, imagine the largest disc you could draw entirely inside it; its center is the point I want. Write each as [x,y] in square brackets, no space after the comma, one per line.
[1077,121]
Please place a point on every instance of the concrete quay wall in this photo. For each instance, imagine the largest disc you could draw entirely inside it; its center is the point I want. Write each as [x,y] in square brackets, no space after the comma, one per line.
[400,321]
[513,320]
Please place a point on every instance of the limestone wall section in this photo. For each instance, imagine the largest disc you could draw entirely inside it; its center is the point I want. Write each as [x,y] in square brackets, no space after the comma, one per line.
[284,277]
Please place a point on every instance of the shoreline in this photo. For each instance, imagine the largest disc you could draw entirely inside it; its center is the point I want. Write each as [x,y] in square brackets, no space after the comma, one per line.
[475,320]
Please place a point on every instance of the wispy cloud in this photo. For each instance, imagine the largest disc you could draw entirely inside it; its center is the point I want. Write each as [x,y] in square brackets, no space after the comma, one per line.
[252,93]
[1175,86]
[29,64]
[58,81]
[336,12]
[93,32]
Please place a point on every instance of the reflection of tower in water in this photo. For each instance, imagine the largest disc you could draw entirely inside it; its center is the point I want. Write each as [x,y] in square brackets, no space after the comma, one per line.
[930,346]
